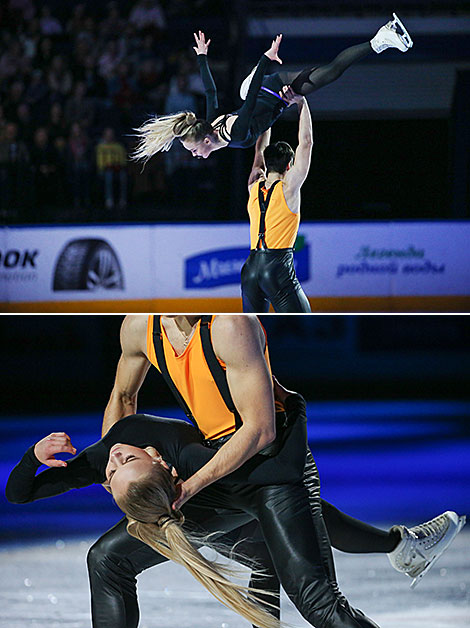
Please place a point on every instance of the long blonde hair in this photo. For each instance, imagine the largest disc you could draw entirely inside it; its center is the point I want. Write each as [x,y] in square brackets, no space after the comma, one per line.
[147,505]
[159,133]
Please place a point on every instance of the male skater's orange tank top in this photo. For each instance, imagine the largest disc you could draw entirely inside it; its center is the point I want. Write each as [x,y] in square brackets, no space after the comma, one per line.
[194,381]
[281,223]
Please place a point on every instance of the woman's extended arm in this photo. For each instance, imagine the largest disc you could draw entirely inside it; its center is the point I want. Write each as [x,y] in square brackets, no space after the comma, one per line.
[25,486]
[201,48]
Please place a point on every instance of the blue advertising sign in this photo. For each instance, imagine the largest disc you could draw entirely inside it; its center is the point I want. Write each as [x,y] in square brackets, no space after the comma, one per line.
[221,267]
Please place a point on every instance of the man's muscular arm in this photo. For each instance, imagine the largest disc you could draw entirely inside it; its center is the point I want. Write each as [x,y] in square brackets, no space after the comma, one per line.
[239,342]
[257,170]
[131,371]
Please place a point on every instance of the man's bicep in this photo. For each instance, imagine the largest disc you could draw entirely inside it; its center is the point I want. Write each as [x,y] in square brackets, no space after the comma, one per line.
[251,391]
[296,176]
[133,364]
[255,176]
[240,343]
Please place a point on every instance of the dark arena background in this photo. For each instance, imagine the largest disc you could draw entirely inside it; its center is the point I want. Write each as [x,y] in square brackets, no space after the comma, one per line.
[385,207]
[388,407]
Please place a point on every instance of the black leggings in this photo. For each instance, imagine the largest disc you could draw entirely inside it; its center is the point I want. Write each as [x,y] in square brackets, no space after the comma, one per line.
[268,276]
[291,518]
[309,80]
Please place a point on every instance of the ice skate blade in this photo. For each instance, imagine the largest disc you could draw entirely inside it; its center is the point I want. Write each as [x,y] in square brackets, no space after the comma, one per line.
[460,525]
[404,36]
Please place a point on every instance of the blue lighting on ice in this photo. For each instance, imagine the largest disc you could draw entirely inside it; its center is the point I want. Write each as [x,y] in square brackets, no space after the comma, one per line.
[381,461]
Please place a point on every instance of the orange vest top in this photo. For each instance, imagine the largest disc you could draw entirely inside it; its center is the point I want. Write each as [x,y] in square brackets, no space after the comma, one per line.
[194,381]
[281,223]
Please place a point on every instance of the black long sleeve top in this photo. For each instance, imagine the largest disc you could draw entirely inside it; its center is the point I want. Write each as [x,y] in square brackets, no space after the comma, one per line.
[179,444]
[254,117]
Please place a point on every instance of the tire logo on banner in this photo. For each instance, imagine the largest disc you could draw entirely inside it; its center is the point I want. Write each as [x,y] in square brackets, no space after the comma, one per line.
[88,264]
[222,267]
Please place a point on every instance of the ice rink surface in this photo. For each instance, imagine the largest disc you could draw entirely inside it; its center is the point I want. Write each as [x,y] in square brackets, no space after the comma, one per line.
[45,585]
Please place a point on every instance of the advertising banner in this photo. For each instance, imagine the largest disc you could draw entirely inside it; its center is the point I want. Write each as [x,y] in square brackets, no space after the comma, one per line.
[132,262]
[389,259]
[75,263]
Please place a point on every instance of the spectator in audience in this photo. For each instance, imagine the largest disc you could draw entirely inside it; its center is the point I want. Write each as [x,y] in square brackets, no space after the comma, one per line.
[14,160]
[67,71]
[11,61]
[79,108]
[23,7]
[49,25]
[110,59]
[59,78]
[57,124]
[14,99]
[30,38]
[113,23]
[148,77]
[188,66]
[44,54]
[180,98]
[3,122]
[25,122]
[122,87]
[80,166]
[95,84]
[111,163]
[148,14]
[37,93]
[147,48]
[77,22]
[62,195]
[81,49]
[45,165]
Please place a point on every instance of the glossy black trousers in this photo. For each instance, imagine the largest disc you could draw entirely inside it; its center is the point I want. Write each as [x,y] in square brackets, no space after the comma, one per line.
[284,530]
[268,276]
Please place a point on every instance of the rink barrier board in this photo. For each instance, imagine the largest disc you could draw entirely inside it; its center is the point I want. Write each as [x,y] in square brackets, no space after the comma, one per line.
[369,266]
[441,304]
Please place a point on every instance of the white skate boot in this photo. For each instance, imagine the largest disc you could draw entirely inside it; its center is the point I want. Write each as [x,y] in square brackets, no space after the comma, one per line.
[422,545]
[392,35]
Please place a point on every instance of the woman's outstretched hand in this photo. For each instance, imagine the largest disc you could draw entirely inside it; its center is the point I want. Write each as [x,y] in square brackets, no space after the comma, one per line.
[202,45]
[272,52]
[55,443]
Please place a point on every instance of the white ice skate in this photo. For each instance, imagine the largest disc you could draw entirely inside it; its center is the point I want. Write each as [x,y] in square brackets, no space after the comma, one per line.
[245,86]
[392,35]
[422,545]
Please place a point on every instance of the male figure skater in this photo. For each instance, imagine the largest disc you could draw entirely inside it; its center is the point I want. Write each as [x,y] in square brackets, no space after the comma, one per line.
[268,276]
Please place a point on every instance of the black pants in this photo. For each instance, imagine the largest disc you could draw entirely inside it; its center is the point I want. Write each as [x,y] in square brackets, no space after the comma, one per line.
[287,535]
[312,79]
[268,276]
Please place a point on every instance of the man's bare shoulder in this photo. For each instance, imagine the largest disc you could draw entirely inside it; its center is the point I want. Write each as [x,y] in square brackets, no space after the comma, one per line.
[231,324]
[231,333]
[134,334]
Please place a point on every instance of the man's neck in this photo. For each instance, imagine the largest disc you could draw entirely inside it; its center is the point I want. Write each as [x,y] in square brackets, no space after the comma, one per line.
[186,323]
[272,177]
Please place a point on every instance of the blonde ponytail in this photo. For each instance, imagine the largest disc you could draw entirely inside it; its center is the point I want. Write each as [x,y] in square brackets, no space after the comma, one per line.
[147,505]
[158,133]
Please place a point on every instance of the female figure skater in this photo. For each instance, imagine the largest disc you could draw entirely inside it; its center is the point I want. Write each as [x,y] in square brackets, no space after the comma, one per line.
[266,493]
[263,95]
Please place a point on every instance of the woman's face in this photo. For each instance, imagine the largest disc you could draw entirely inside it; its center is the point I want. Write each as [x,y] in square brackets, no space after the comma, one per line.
[201,150]
[127,463]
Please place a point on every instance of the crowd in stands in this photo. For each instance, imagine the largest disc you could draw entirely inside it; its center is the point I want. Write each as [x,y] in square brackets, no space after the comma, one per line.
[75,79]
